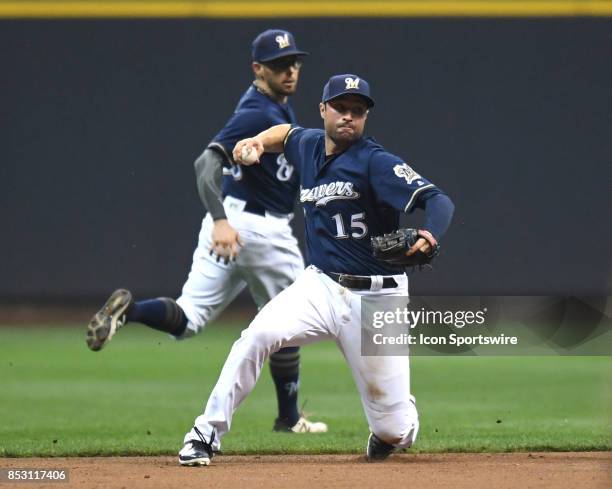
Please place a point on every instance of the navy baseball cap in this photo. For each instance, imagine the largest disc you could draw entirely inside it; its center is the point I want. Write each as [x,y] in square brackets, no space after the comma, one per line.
[274,44]
[347,84]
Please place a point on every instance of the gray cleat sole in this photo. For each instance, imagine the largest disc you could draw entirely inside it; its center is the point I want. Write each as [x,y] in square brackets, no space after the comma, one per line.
[104,324]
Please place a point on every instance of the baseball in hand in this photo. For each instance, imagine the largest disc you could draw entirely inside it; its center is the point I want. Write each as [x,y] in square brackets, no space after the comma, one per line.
[249,155]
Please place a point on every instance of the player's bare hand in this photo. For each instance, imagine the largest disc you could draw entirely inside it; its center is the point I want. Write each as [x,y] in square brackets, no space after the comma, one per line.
[248,151]
[424,244]
[421,245]
[226,241]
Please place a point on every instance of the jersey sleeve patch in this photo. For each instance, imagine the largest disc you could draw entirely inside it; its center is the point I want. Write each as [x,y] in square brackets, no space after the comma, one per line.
[394,182]
[407,173]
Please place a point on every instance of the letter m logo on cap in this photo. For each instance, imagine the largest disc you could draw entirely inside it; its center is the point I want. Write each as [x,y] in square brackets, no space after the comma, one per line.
[283,41]
[352,83]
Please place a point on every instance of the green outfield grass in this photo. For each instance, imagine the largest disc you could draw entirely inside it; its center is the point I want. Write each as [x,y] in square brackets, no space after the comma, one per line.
[141,394]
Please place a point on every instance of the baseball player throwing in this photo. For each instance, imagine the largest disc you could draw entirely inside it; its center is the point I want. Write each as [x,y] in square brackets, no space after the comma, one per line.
[245,238]
[351,189]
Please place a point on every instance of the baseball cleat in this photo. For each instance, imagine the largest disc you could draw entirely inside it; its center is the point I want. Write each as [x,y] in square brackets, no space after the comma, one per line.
[377,449]
[302,426]
[197,452]
[108,320]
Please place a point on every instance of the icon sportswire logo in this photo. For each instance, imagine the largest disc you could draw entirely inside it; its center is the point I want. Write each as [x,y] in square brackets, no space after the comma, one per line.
[351,83]
[327,192]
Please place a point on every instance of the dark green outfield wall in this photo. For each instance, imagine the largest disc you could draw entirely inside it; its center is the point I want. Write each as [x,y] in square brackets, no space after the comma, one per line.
[100,122]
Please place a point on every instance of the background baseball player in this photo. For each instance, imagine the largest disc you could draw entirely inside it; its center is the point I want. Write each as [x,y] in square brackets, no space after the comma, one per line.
[245,238]
[351,189]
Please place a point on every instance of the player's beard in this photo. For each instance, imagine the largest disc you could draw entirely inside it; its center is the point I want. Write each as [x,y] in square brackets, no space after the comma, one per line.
[344,139]
[280,89]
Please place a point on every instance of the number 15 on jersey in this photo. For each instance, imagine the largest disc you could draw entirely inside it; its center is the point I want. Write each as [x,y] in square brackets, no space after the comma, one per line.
[357,227]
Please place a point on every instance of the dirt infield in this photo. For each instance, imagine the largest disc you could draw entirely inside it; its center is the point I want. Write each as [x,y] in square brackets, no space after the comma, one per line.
[473,471]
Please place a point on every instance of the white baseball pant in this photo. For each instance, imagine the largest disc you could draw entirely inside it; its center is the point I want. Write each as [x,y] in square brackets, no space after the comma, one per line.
[315,308]
[268,263]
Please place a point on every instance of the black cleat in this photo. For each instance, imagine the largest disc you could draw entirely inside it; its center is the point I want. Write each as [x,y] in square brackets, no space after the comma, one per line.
[197,452]
[377,449]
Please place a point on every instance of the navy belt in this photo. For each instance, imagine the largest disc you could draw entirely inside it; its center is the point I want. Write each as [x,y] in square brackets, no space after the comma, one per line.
[254,209]
[359,282]
[260,210]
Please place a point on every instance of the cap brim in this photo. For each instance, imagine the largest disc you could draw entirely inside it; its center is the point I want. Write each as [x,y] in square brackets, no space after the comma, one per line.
[293,52]
[369,100]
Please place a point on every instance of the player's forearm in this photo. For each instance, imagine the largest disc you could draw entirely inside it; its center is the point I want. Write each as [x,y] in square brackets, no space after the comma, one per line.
[273,139]
[209,170]
[439,211]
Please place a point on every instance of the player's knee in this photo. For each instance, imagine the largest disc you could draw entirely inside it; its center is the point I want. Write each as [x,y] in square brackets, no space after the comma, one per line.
[261,338]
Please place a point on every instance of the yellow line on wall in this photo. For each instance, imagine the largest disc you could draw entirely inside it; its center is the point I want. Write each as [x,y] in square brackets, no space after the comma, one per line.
[274,9]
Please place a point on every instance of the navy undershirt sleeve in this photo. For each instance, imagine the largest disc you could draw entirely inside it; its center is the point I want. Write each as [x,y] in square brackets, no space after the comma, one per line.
[439,210]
